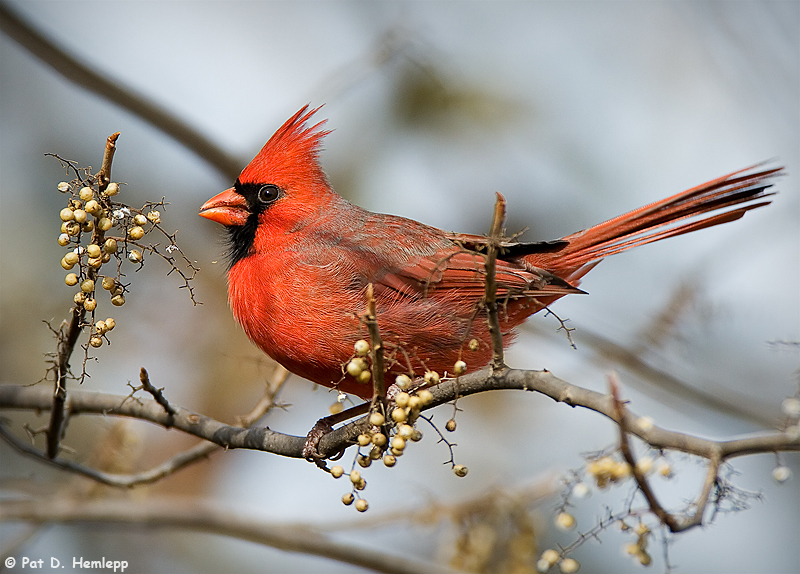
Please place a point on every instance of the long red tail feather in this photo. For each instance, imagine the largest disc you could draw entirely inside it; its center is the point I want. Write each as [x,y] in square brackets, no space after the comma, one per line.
[654,222]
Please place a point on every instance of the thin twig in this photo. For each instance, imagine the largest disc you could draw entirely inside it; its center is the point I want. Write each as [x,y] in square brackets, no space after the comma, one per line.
[624,446]
[376,350]
[493,246]
[156,393]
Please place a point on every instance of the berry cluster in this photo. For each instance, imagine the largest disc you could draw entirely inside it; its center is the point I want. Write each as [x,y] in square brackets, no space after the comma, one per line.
[388,436]
[95,257]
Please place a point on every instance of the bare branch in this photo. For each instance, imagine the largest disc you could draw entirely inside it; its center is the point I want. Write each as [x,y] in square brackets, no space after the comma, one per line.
[619,409]
[201,516]
[544,382]
[114,90]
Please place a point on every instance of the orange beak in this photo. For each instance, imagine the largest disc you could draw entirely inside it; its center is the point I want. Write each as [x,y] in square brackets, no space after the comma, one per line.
[228,208]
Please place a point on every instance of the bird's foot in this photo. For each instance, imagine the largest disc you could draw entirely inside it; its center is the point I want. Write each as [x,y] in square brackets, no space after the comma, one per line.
[322,427]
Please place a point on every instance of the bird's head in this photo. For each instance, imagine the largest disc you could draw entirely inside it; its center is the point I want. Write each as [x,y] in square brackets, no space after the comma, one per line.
[279,192]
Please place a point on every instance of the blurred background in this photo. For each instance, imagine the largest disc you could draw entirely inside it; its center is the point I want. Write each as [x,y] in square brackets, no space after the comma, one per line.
[576,112]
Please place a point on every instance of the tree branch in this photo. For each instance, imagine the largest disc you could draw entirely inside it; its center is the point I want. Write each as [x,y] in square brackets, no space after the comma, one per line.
[264,439]
[117,92]
[202,516]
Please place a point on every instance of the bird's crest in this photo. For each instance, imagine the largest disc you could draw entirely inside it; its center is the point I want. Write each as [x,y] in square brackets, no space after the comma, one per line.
[290,157]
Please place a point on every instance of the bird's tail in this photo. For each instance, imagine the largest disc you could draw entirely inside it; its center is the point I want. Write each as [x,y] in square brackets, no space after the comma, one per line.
[659,220]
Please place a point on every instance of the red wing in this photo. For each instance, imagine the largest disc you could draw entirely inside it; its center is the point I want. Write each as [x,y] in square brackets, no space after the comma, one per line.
[462,273]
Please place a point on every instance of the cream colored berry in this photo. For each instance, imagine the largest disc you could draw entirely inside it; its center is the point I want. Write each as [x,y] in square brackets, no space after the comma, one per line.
[389,460]
[364,376]
[336,408]
[379,439]
[71,279]
[361,348]
[450,425]
[401,399]
[375,452]
[95,263]
[109,283]
[110,246]
[425,396]
[100,327]
[104,224]
[551,556]
[139,219]
[87,286]
[399,415]
[405,431]
[135,256]
[71,258]
[348,499]
[90,305]
[96,341]
[92,207]
[364,439]
[79,297]
[459,368]
[66,264]
[112,189]
[93,250]
[136,233]
[431,377]
[569,566]
[87,226]
[67,214]
[376,419]
[403,381]
[473,344]
[460,470]
[72,228]
[565,521]
[398,443]
[644,465]
[110,323]
[416,435]
[86,193]
[79,215]
[154,217]
[63,239]
[337,471]
[361,505]
[356,366]
[63,187]
[118,300]
[781,474]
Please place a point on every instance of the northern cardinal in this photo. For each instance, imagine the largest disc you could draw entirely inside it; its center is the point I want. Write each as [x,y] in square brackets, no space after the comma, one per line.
[301,258]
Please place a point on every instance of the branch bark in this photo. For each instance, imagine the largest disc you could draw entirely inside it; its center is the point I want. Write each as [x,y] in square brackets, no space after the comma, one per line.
[202,516]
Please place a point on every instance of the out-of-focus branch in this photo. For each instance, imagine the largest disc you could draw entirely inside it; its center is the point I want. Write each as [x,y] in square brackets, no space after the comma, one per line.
[204,517]
[115,91]
[633,361]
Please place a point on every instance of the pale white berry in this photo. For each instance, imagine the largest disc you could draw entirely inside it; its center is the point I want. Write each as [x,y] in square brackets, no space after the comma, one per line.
[565,521]
[361,348]
[781,474]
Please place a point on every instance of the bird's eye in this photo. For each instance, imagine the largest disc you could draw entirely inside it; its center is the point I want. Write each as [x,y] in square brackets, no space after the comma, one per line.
[268,193]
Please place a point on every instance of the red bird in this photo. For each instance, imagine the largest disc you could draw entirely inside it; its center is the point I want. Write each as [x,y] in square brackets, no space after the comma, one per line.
[301,257]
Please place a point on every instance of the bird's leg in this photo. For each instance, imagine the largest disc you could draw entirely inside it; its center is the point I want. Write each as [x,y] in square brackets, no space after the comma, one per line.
[325,425]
